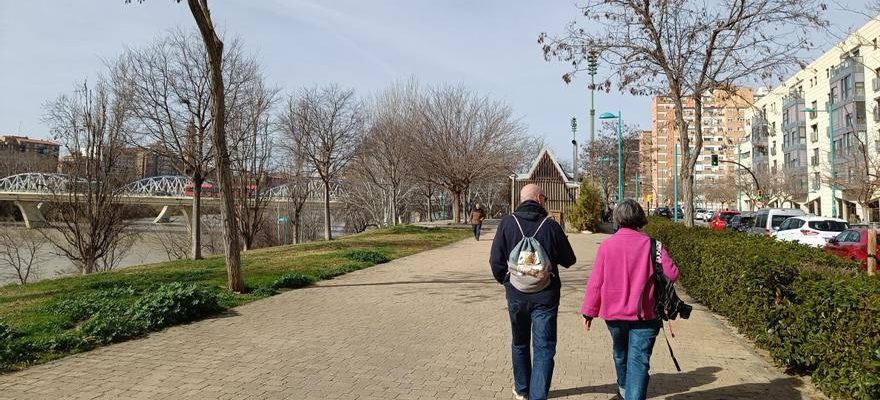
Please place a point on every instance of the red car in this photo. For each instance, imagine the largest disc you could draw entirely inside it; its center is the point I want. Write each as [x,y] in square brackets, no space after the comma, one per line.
[720,219]
[851,244]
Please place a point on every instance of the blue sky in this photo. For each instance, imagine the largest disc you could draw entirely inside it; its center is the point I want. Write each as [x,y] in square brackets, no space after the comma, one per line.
[489,45]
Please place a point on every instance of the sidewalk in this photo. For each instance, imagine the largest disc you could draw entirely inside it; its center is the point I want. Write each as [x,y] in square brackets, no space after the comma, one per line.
[430,326]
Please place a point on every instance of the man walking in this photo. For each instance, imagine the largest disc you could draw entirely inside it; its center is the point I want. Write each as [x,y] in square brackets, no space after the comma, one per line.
[477,216]
[534,306]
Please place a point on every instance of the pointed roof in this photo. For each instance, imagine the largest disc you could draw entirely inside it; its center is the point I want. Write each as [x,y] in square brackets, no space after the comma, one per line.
[545,152]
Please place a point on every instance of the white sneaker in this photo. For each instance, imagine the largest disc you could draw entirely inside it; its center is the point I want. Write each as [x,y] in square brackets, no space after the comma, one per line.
[518,396]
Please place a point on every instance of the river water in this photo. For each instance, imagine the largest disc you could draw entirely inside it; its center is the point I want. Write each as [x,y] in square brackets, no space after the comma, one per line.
[151,244]
[145,249]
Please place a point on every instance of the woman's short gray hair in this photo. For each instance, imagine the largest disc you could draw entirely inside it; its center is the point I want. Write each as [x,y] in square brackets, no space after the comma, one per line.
[630,214]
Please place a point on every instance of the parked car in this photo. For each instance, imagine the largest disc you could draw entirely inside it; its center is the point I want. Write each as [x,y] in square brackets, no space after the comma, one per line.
[740,223]
[700,214]
[768,219]
[679,212]
[720,219]
[852,244]
[709,215]
[810,230]
[663,212]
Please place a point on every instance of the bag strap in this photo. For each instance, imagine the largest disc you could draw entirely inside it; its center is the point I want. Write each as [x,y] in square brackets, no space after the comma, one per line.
[518,225]
[539,227]
[653,269]
[671,354]
[521,229]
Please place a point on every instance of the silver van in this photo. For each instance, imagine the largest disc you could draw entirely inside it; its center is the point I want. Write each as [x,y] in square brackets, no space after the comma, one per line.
[768,219]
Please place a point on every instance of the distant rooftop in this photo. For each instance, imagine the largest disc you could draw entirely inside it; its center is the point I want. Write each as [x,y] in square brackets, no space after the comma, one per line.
[25,139]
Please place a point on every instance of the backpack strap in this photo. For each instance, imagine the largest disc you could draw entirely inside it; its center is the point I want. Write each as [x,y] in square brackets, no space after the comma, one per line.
[518,225]
[539,227]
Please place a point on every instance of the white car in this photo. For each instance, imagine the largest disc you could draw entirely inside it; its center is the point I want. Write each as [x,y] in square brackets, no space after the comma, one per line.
[700,214]
[809,230]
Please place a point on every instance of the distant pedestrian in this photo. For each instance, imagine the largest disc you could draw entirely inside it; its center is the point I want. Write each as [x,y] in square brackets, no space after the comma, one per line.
[530,275]
[620,291]
[477,217]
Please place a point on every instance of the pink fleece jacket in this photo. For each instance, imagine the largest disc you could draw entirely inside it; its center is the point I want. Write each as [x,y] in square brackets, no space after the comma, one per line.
[621,269]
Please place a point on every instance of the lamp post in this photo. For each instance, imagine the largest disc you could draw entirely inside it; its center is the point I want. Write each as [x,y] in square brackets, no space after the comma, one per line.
[592,65]
[833,157]
[574,148]
[608,115]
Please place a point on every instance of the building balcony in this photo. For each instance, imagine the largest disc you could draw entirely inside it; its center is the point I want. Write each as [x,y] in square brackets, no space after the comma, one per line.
[849,65]
[793,99]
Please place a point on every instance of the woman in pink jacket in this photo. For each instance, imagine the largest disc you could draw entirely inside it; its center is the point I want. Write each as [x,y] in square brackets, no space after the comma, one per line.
[616,286]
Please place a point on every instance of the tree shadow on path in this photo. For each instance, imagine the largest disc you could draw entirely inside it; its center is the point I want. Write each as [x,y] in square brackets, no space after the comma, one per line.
[777,389]
[660,384]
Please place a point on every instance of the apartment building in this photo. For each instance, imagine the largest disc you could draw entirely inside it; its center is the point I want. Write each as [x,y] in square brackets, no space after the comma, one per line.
[20,154]
[790,144]
[724,122]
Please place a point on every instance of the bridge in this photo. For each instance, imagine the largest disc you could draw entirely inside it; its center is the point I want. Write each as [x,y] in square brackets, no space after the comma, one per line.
[170,192]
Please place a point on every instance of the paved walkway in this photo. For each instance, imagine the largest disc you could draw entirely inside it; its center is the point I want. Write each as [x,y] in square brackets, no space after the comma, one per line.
[430,326]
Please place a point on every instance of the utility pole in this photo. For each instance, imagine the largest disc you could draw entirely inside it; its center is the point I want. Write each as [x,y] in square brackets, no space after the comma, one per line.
[592,66]
[574,149]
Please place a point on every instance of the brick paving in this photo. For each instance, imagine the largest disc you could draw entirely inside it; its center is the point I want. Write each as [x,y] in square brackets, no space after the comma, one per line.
[430,326]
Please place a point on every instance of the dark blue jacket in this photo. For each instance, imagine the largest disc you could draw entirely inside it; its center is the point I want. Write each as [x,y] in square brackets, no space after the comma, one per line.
[551,237]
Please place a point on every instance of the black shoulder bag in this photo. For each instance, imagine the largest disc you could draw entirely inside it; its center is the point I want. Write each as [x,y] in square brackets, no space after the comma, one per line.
[667,305]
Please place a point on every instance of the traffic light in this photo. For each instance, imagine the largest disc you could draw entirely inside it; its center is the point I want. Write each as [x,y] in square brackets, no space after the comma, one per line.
[714,160]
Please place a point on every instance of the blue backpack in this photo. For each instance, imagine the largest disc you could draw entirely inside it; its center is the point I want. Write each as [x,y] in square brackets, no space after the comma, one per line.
[528,266]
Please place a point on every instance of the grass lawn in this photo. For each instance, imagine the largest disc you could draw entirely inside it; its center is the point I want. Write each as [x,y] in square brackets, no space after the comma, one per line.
[43,328]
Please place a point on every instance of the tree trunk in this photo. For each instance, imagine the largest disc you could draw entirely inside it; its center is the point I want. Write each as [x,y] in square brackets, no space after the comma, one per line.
[214,47]
[196,222]
[456,206]
[296,227]
[328,235]
[430,215]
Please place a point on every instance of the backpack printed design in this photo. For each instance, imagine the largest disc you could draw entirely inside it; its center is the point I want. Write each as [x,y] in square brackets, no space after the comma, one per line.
[528,265]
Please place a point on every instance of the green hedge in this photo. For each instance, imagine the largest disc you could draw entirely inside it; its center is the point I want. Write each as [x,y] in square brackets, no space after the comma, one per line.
[814,312]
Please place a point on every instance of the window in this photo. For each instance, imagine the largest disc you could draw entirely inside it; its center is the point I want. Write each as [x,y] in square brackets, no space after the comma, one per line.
[846,85]
[853,237]
[828,225]
[814,160]
[814,106]
[833,95]
[816,181]
[814,133]
[778,220]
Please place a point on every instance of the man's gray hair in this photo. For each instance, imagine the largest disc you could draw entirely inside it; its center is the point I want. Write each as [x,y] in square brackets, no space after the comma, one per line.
[630,214]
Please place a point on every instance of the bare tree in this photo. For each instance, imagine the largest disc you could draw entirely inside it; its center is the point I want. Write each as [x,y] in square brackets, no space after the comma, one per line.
[92,124]
[21,251]
[600,159]
[117,251]
[428,191]
[858,171]
[214,47]
[685,49]
[326,124]
[170,82]
[461,138]
[253,132]
[172,243]
[381,159]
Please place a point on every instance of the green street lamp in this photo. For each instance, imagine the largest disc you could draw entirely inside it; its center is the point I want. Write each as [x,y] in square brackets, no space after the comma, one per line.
[833,158]
[608,115]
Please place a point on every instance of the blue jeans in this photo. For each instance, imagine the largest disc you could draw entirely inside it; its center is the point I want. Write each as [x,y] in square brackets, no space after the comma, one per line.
[477,228]
[536,322]
[633,342]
